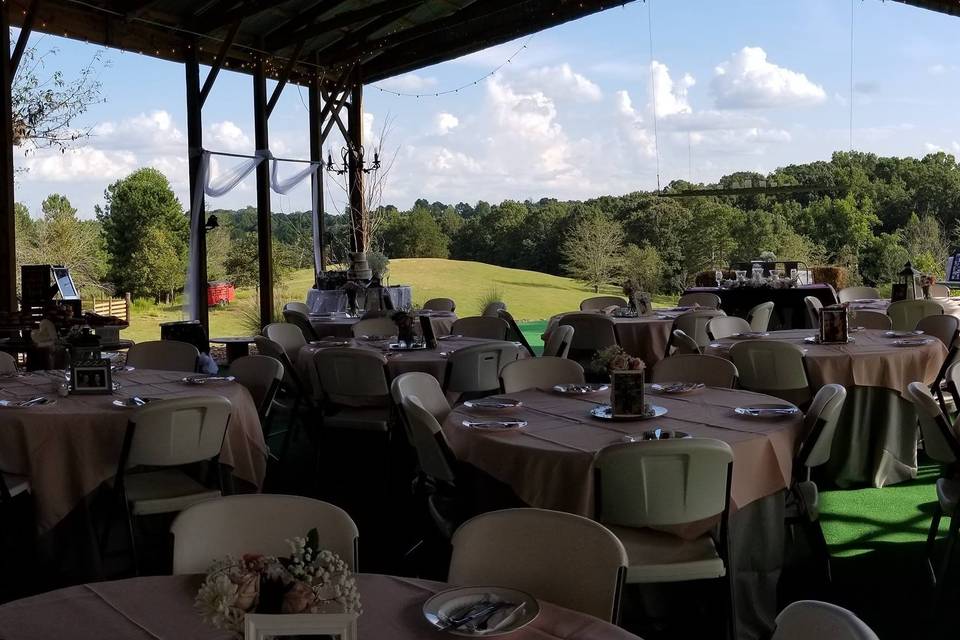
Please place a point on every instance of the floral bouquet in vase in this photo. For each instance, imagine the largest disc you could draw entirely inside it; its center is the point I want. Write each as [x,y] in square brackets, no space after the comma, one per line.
[405,321]
[309,580]
[626,381]
[927,280]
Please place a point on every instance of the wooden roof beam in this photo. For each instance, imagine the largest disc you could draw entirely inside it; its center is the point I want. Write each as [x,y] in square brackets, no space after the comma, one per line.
[227,12]
[218,62]
[285,30]
[354,39]
[132,8]
[339,21]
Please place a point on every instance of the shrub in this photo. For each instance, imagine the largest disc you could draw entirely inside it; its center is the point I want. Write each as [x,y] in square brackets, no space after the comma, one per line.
[837,277]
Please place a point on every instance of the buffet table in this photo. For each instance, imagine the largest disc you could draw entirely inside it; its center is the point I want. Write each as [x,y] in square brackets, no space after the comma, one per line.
[789,311]
[324,301]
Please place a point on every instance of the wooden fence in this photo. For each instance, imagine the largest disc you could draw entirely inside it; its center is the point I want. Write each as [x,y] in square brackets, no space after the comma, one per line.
[119,307]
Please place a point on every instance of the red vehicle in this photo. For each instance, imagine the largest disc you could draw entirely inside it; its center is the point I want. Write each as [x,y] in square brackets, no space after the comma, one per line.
[220,294]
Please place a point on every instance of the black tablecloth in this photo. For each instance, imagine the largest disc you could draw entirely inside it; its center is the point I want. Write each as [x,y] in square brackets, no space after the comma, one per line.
[789,311]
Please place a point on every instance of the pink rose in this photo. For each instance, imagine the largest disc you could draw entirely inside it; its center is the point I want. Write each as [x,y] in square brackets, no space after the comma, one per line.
[298,599]
[248,589]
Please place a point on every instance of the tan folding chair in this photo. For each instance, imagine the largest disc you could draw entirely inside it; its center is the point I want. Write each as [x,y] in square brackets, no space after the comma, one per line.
[682,344]
[709,370]
[542,373]
[258,524]
[943,326]
[599,303]
[694,324]
[759,316]
[699,299]
[487,327]
[558,342]
[772,367]
[288,336]
[475,371]
[301,321]
[374,327]
[167,433]
[356,392]
[656,484]
[262,376]
[905,314]
[725,326]
[440,304]
[166,355]
[938,290]
[559,557]
[806,619]
[849,294]
[814,307]
[591,333]
[299,307]
[871,320]
[427,389]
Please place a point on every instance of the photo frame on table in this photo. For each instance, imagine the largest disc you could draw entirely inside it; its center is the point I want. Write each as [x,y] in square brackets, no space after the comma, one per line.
[91,376]
[260,626]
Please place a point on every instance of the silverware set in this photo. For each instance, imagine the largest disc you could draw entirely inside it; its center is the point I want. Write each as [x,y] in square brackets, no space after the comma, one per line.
[478,613]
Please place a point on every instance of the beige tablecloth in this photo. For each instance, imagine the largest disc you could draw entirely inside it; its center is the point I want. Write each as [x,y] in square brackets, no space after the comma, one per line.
[549,463]
[951,306]
[161,608]
[432,361]
[70,448]
[341,326]
[872,360]
[645,337]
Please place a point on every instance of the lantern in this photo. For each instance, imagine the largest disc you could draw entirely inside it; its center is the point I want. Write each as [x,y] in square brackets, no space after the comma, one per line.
[910,279]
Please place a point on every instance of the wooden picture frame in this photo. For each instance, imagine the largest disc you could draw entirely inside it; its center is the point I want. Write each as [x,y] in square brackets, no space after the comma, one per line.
[261,626]
[92,377]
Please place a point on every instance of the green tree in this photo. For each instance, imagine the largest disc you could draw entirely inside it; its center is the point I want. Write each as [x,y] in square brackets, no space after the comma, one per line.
[158,262]
[242,264]
[414,235]
[644,265]
[593,251]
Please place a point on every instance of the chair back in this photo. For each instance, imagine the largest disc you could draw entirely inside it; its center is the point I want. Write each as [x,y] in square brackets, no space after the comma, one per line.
[167,355]
[662,482]
[807,619]
[289,336]
[682,344]
[426,388]
[514,333]
[493,309]
[376,313]
[558,342]
[539,373]
[849,294]
[709,370]
[591,332]
[938,290]
[299,307]
[352,376]
[939,442]
[301,321]
[487,327]
[871,320]
[476,369]
[426,437]
[440,304]
[563,558]
[944,327]
[8,364]
[814,306]
[759,316]
[726,326]
[700,299]
[694,324]
[820,424]
[168,433]
[905,314]
[267,347]
[380,327]
[772,367]
[599,303]
[262,376]
[257,523]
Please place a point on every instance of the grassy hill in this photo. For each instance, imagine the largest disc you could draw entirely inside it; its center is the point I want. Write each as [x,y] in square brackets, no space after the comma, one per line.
[530,296]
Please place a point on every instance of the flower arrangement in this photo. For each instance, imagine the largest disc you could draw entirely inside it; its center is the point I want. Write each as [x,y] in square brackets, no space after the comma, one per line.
[405,320]
[614,358]
[927,280]
[640,301]
[309,580]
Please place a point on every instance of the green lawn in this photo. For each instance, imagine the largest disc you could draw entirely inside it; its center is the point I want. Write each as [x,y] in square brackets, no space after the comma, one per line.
[531,297]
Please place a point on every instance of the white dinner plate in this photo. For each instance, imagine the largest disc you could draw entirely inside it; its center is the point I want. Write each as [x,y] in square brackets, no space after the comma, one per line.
[748,335]
[767,410]
[903,334]
[676,388]
[605,412]
[816,340]
[19,404]
[196,380]
[912,342]
[580,389]
[133,402]
[493,403]
[439,608]
[495,425]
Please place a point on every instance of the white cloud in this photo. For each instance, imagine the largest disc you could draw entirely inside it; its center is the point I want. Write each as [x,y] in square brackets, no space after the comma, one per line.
[631,124]
[561,81]
[445,122]
[749,81]
[408,82]
[227,136]
[79,163]
[670,95]
[941,69]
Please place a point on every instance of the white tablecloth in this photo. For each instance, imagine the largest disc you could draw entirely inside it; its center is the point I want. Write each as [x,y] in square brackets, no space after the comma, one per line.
[336,300]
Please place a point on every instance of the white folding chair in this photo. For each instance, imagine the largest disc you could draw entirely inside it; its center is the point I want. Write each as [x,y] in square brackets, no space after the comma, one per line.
[759,316]
[426,388]
[682,344]
[849,294]
[814,307]
[379,327]
[938,290]
[489,328]
[262,376]
[475,370]
[299,307]
[944,327]
[772,367]
[297,395]
[663,483]
[543,373]
[905,314]
[599,303]
[709,370]
[559,341]
[440,304]
[591,333]
[301,321]
[257,523]
[356,392]
[806,619]
[700,299]
[871,320]
[8,364]
[167,355]
[725,326]
[694,324]
[563,558]
[167,433]
[288,336]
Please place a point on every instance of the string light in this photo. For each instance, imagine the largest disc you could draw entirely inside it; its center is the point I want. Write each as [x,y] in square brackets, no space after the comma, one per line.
[436,94]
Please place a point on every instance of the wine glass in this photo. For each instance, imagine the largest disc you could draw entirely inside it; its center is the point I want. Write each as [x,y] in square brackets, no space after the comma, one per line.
[719,277]
[794,274]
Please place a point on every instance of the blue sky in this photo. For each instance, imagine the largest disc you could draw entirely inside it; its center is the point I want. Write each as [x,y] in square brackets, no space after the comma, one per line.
[739,85]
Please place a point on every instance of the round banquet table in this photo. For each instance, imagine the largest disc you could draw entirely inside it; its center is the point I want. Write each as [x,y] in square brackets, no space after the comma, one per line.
[876,441]
[161,608]
[951,306]
[549,464]
[432,361]
[70,448]
[340,325]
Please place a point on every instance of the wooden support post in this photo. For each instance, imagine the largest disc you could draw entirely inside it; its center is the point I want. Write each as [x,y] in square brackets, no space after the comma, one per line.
[316,155]
[355,144]
[195,150]
[8,240]
[264,222]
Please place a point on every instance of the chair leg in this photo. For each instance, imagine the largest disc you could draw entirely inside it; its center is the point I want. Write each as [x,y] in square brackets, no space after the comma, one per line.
[820,542]
[730,602]
[133,537]
[931,539]
[291,428]
[947,561]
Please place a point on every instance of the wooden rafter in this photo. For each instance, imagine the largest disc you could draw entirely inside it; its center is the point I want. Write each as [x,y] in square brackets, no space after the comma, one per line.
[285,30]
[284,77]
[335,114]
[354,40]
[228,12]
[218,62]
[25,30]
[132,8]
